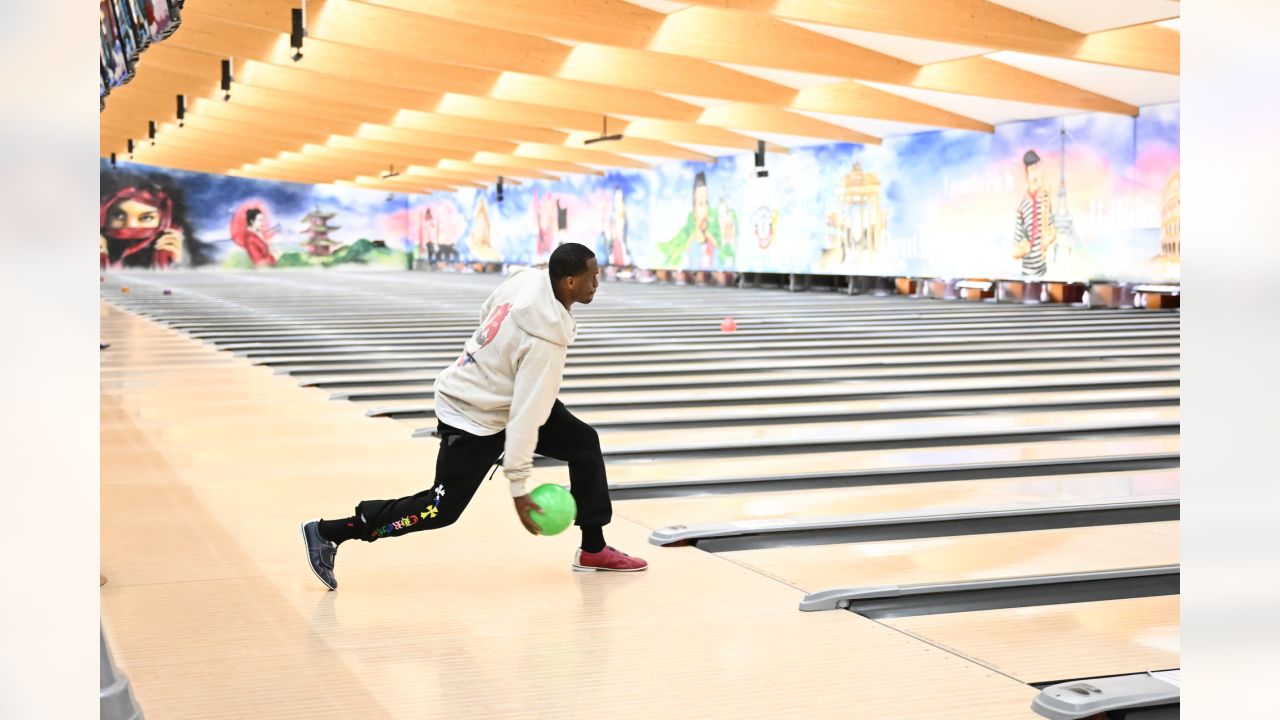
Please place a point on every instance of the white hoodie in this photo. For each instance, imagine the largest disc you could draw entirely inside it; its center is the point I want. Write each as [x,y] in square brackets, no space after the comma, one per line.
[510,370]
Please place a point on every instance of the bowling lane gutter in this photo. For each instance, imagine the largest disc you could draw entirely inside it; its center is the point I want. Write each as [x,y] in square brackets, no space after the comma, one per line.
[1131,366]
[377,357]
[802,480]
[583,370]
[932,439]
[429,412]
[876,527]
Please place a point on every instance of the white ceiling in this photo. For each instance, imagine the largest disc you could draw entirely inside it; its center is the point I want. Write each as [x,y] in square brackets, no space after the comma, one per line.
[663,6]
[797,80]
[1136,87]
[913,50]
[1088,16]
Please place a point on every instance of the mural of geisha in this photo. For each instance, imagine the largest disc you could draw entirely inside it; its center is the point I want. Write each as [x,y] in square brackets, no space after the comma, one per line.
[251,230]
[143,224]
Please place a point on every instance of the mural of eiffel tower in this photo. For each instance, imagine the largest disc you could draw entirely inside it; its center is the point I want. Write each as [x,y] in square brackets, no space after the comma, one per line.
[1068,242]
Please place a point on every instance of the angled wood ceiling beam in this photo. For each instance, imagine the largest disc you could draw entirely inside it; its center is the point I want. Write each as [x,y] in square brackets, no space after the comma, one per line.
[667,131]
[1145,47]
[430,138]
[484,178]
[494,170]
[554,166]
[401,24]
[984,77]
[740,37]
[978,23]
[337,153]
[858,100]
[540,151]
[767,118]
[529,114]
[412,120]
[642,146]
[412,153]
[418,186]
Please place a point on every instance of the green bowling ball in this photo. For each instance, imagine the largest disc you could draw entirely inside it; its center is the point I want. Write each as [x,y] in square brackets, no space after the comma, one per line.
[558,509]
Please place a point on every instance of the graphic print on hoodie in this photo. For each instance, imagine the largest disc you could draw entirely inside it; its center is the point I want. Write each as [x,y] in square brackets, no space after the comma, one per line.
[486,334]
[510,370]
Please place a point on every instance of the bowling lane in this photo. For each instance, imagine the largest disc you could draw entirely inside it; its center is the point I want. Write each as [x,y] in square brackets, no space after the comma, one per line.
[1052,643]
[425,359]
[617,442]
[411,398]
[599,317]
[870,370]
[853,467]
[939,496]
[966,558]
[665,366]
[859,409]
[627,345]
[603,334]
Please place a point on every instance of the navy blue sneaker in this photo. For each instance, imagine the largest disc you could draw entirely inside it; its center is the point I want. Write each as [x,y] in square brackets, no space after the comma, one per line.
[320,553]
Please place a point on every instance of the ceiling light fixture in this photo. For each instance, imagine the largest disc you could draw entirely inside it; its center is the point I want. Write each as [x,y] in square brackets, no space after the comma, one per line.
[604,134]
[760,171]
[226,79]
[297,32]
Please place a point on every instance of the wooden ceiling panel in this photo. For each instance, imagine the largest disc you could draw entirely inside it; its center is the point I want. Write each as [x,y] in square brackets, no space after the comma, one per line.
[453,94]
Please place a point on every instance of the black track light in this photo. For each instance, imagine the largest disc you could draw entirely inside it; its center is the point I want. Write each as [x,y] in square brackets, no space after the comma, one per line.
[182,110]
[760,171]
[226,79]
[296,34]
[113,159]
[499,188]
[151,131]
[129,145]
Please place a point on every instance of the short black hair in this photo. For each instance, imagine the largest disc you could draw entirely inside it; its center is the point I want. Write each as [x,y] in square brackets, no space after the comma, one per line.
[1031,158]
[568,260]
[251,214]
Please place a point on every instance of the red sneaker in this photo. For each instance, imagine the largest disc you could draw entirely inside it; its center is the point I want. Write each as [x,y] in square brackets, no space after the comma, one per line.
[608,559]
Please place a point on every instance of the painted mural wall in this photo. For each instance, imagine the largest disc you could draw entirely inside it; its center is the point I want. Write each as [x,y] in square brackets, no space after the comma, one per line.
[154,218]
[1090,196]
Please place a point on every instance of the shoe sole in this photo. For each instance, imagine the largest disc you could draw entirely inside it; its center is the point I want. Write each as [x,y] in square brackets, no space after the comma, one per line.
[584,568]
[307,547]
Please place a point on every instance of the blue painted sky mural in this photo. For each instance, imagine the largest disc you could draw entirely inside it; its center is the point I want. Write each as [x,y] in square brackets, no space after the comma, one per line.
[1103,192]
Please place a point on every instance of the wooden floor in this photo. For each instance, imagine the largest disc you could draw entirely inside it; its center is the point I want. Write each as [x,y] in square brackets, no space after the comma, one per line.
[1110,638]
[821,407]
[207,466]
[969,557]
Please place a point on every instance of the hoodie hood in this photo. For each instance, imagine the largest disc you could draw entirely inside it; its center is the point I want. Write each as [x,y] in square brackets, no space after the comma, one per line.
[534,306]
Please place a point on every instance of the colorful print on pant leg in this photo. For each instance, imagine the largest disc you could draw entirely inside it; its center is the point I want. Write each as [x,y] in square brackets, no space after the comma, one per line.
[403,523]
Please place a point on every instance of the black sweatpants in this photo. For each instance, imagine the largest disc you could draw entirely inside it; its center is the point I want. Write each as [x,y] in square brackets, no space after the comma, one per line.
[465,459]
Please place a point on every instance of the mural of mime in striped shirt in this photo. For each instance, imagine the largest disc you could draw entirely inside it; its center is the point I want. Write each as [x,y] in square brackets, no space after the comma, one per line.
[1034,232]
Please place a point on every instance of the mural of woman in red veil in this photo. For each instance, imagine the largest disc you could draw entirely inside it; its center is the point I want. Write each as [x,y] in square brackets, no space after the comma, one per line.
[137,229]
[251,230]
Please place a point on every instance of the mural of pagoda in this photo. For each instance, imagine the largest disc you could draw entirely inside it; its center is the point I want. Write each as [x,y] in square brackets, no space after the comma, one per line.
[316,228]
[860,225]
